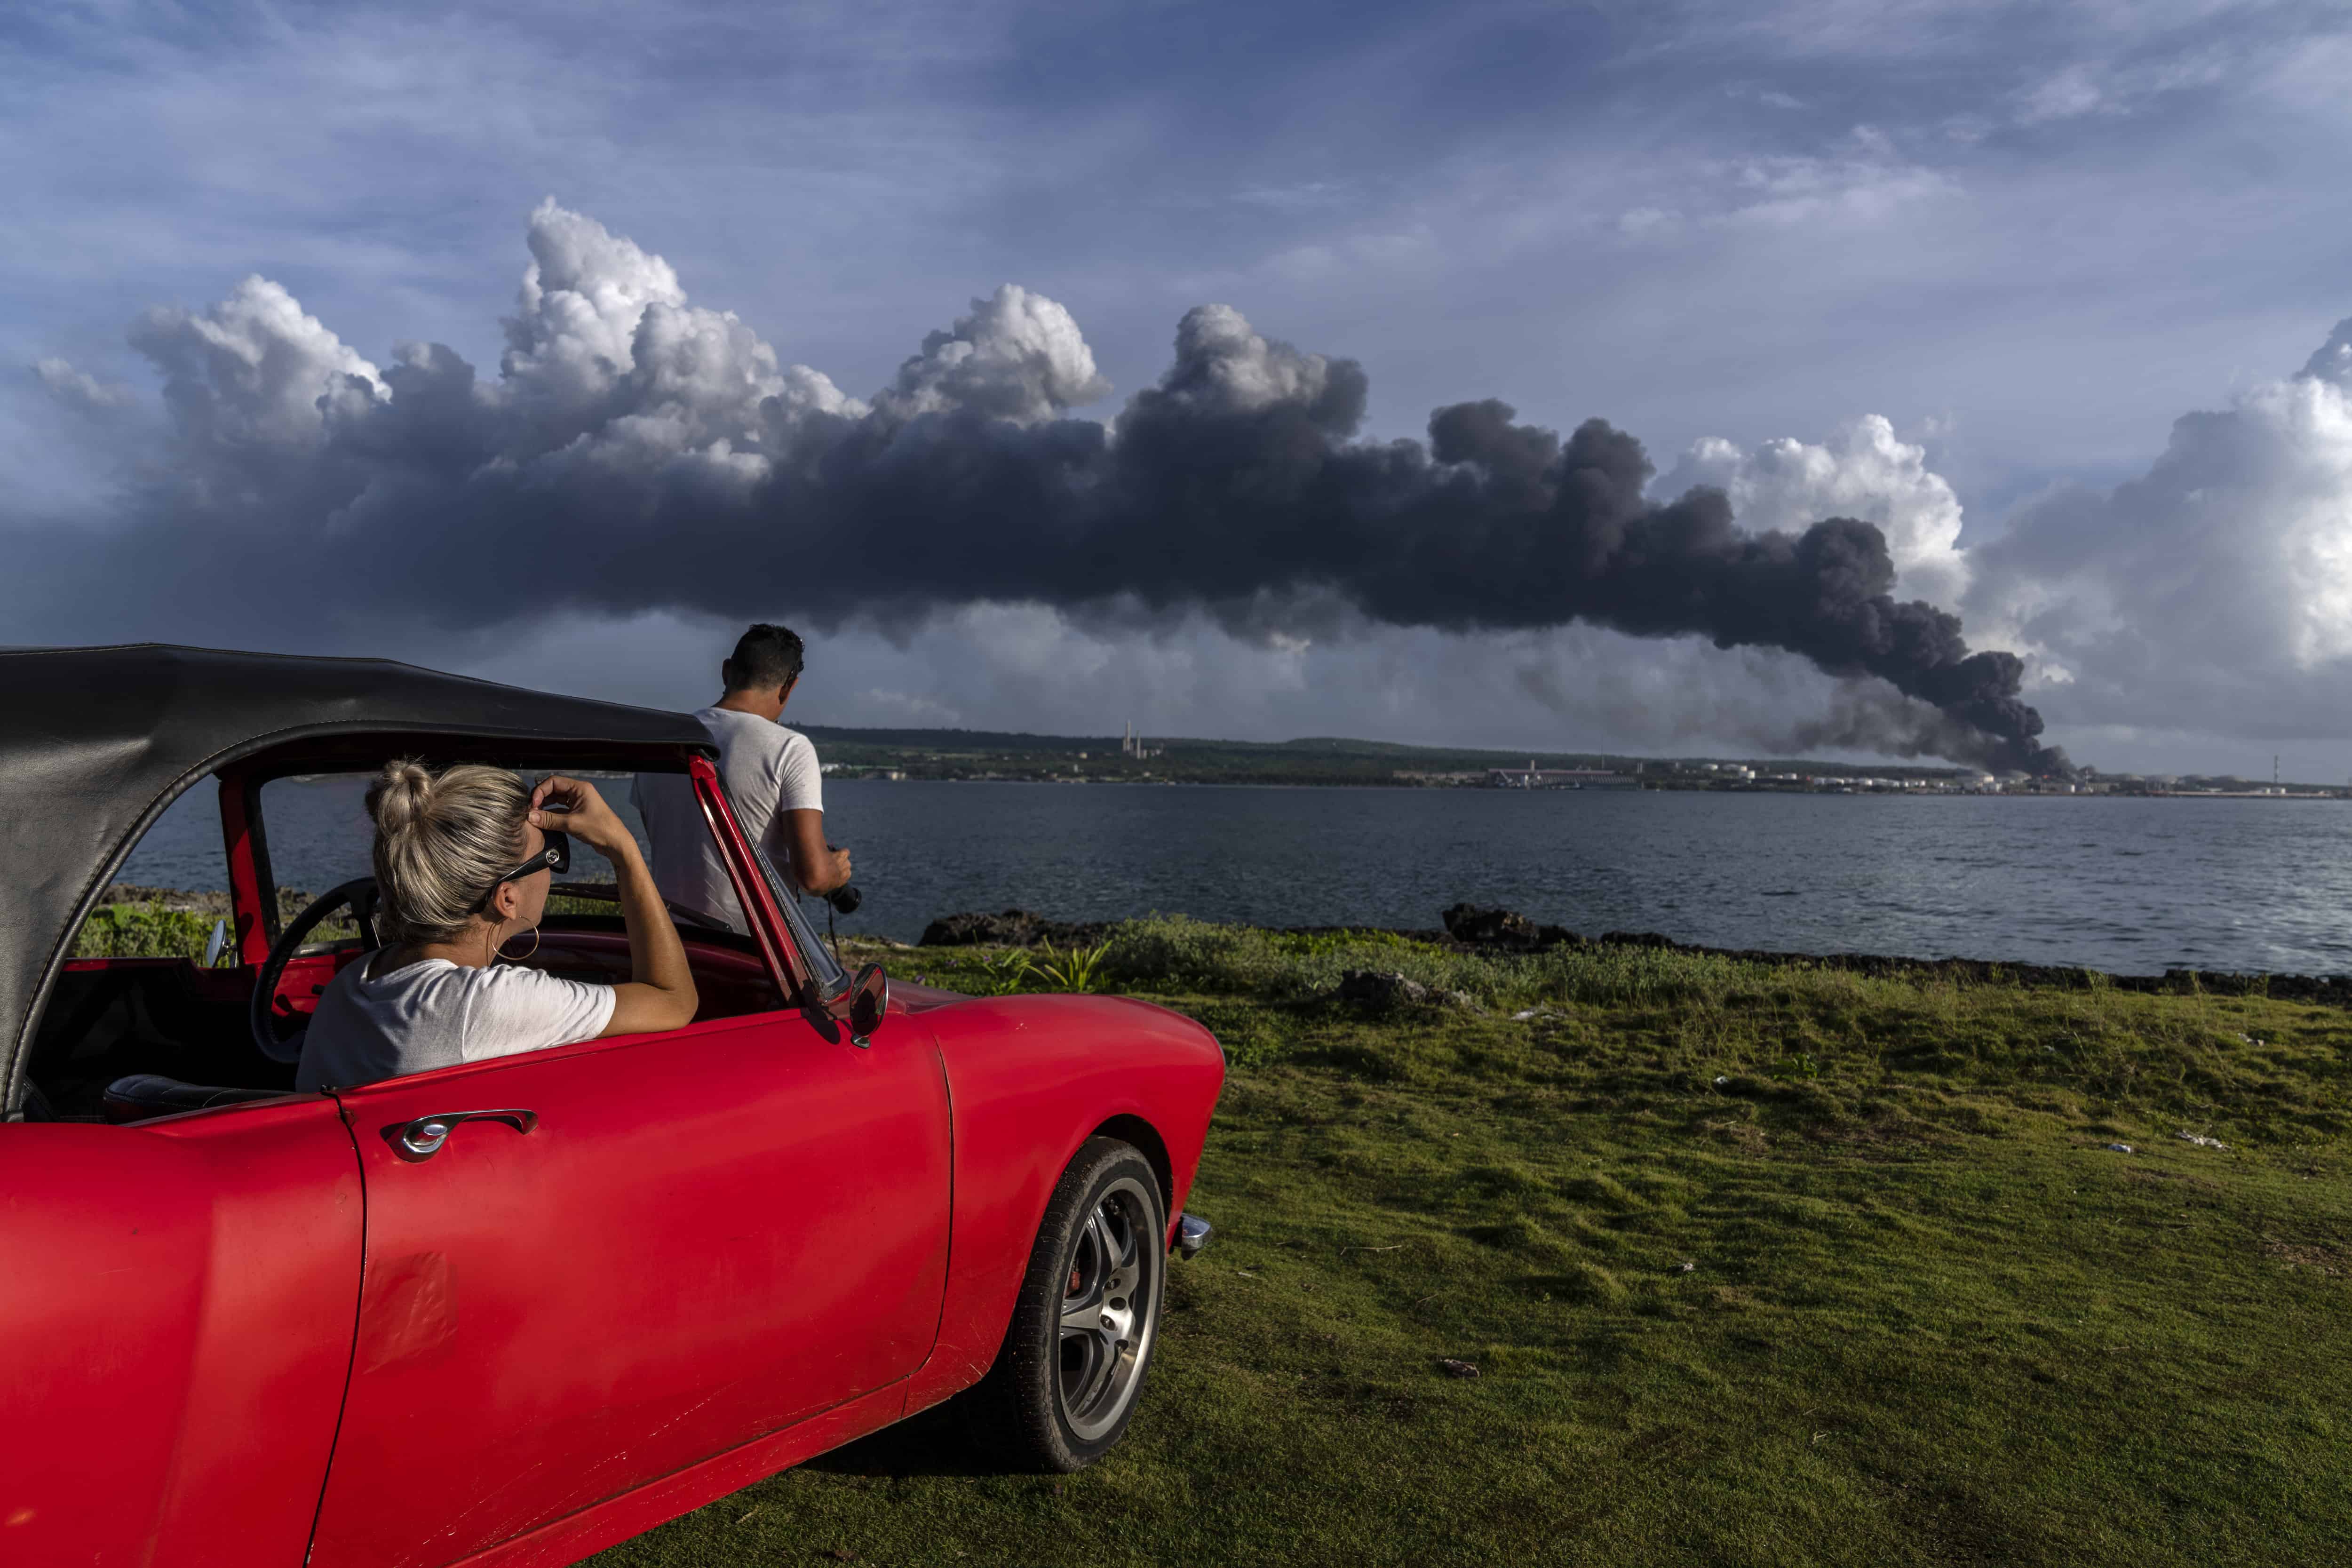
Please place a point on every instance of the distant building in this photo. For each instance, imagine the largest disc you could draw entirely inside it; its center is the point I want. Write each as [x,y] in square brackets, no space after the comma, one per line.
[1534,777]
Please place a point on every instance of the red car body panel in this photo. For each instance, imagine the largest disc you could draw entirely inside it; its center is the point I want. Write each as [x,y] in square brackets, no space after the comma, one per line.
[1032,1079]
[633,1513]
[176,1299]
[709,1236]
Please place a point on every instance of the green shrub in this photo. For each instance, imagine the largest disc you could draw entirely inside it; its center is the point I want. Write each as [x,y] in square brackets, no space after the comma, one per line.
[1183,954]
[1076,969]
[143,931]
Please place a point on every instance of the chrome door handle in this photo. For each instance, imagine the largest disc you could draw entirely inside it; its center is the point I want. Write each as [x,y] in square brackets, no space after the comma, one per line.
[421,1138]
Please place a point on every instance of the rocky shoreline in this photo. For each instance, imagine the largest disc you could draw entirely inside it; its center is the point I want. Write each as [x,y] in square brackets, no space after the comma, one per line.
[1471,928]
[1498,932]
[291,902]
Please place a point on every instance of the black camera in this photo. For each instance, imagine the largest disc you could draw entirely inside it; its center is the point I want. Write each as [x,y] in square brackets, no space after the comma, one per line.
[845,899]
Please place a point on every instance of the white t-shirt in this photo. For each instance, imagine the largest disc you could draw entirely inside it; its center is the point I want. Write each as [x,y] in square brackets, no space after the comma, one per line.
[768,771]
[436,1014]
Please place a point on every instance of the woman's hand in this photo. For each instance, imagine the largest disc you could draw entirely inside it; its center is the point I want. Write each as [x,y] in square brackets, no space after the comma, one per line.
[572,806]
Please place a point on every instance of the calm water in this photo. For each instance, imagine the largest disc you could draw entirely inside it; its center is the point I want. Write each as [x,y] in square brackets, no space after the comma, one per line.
[2133,886]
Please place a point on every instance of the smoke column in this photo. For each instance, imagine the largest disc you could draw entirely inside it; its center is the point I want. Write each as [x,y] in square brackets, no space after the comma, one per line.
[682,467]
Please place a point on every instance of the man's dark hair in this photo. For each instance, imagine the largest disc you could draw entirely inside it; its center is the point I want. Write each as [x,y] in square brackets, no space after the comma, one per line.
[764,657]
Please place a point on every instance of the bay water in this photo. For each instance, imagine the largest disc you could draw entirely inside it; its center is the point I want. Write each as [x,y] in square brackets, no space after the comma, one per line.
[2128,885]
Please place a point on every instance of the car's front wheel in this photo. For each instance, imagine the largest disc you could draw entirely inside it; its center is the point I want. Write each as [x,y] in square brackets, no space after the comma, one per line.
[1064,1385]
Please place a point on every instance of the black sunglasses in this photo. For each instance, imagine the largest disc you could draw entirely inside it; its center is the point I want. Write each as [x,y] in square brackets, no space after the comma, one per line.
[554,856]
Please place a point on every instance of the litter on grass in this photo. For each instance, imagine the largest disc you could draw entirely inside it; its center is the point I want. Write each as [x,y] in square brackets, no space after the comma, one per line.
[2201,1141]
[2120,1148]
[1457,1368]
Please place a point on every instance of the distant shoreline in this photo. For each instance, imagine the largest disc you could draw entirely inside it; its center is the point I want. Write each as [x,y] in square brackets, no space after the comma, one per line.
[1644,788]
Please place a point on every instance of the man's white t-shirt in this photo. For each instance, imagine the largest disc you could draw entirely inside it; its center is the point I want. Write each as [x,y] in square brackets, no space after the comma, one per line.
[768,771]
[436,1014]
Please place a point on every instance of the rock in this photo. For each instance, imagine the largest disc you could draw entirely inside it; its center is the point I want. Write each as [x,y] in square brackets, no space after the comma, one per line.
[1382,988]
[1481,926]
[1014,927]
[1638,939]
[1387,988]
[1504,930]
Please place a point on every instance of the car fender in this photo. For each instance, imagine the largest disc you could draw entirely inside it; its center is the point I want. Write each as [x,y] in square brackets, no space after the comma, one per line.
[1030,1080]
[178,1301]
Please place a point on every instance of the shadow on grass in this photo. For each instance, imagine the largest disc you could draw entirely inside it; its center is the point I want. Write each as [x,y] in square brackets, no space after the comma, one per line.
[931,1444]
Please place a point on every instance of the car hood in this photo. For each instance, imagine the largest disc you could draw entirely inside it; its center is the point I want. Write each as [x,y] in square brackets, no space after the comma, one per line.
[911,997]
[914,996]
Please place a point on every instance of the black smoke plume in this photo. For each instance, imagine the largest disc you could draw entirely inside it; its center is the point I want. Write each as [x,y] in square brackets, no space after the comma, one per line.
[1492,526]
[636,452]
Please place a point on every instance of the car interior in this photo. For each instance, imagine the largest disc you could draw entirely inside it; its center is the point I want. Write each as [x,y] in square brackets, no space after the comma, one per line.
[126,1038]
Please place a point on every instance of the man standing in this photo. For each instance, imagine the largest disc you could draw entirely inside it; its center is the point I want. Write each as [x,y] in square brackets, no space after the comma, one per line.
[771,775]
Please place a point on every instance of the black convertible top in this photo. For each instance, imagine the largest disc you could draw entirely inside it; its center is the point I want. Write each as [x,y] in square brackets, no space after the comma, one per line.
[96,741]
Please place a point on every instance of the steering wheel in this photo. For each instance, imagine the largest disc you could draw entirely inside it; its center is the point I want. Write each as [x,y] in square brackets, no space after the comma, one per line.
[360,894]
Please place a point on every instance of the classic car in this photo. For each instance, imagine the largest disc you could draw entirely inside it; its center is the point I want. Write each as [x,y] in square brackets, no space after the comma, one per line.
[515,1310]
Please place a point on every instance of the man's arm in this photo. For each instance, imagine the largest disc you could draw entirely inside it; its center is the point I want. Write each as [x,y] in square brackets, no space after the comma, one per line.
[798,828]
[816,865]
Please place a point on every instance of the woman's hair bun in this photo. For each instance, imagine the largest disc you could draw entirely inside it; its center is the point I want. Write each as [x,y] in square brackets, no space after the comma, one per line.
[400,794]
[442,841]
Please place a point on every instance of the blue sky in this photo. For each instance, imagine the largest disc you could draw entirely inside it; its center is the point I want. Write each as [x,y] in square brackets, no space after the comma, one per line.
[2029,237]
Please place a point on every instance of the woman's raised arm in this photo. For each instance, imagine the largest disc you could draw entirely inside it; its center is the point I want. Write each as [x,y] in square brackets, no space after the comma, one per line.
[660,992]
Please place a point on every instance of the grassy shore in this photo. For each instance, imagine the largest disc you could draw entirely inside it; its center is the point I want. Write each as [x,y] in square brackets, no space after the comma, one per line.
[1757,1264]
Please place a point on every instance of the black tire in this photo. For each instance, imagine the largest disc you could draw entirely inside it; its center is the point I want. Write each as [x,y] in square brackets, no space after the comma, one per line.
[1066,1382]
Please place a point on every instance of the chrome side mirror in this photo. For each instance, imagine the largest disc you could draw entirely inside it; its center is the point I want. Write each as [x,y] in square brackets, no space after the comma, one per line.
[870,1001]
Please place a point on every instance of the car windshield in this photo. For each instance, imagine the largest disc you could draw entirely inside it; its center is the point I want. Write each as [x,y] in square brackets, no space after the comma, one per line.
[823,966]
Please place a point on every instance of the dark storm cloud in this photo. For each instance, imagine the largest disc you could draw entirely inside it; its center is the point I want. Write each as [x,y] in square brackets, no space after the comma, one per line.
[638,452]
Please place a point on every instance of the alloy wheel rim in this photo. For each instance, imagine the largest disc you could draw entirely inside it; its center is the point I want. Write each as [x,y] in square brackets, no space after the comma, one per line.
[1111,1297]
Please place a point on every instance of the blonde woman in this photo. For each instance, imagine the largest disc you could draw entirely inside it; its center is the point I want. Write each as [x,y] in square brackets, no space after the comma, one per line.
[463,862]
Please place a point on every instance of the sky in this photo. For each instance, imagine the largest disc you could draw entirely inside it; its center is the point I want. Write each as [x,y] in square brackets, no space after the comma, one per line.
[537,342]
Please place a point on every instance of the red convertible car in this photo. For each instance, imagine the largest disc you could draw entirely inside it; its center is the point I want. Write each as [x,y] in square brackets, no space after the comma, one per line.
[515,1310]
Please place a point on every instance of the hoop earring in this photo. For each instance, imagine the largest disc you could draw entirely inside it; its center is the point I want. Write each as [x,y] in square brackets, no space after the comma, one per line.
[506,957]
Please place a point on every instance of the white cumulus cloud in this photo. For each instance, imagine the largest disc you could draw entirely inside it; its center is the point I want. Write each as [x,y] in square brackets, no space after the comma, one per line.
[2214,592]
[256,370]
[77,388]
[1017,356]
[1861,470]
[1223,366]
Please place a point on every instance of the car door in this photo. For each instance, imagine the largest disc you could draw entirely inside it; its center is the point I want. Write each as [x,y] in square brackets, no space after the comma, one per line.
[661,1246]
[176,1302]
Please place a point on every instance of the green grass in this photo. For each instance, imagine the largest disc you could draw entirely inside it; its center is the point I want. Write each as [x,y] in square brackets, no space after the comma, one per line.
[1932,1319]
